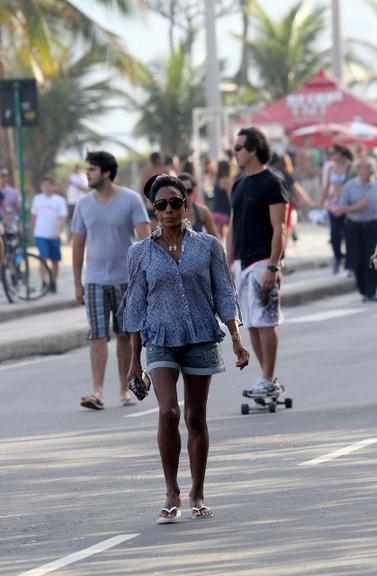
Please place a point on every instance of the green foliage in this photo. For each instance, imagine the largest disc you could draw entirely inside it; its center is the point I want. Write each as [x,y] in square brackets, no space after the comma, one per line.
[31,29]
[284,52]
[171,92]
[66,103]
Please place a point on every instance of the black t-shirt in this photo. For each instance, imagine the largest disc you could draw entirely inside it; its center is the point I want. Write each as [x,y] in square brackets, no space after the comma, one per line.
[252,230]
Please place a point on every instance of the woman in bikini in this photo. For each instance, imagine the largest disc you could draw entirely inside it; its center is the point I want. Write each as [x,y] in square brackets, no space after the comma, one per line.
[199,215]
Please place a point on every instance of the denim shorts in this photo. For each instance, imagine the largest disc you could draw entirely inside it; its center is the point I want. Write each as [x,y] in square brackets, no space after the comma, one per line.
[201,359]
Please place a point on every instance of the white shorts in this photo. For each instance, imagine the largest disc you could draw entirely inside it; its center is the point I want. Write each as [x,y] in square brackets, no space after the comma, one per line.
[259,308]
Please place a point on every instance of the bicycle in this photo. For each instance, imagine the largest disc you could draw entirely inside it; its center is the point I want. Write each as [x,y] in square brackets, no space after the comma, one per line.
[24,275]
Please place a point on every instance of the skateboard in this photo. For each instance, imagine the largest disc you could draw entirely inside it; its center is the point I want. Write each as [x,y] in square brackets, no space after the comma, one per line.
[265,402]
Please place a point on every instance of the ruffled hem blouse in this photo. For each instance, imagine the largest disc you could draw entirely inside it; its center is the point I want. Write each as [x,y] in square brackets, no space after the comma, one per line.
[176,303]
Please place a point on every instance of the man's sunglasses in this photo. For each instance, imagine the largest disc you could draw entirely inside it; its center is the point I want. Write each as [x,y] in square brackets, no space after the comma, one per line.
[176,203]
[239,147]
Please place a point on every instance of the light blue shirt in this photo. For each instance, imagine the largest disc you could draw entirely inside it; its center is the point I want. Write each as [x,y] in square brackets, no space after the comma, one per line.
[108,229]
[174,304]
[354,191]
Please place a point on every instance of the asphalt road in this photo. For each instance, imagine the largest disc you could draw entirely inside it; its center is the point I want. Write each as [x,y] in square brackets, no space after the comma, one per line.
[293,492]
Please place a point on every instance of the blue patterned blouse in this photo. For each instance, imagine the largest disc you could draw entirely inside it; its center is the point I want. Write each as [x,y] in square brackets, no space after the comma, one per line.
[174,304]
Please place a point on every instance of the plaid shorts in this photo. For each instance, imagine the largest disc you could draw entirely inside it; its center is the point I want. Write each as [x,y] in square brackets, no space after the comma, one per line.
[100,301]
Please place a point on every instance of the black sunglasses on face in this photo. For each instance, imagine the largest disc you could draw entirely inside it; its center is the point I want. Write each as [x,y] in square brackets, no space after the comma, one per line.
[176,203]
[239,147]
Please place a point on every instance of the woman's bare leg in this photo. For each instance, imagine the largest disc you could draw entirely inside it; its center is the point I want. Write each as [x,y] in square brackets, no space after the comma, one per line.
[168,436]
[196,396]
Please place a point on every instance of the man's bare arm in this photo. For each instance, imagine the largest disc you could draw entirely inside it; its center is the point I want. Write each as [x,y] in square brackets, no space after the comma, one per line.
[142,230]
[278,217]
[229,243]
[78,251]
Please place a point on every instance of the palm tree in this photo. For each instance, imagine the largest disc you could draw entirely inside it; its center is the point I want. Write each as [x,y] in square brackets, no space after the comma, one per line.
[32,30]
[171,92]
[68,101]
[284,52]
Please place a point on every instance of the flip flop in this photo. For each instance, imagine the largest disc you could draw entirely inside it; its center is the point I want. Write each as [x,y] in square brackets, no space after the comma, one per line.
[169,519]
[197,513]
[128,401]
[92,402]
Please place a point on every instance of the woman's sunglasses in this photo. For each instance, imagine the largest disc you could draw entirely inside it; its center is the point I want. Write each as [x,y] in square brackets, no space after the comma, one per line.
[176,203]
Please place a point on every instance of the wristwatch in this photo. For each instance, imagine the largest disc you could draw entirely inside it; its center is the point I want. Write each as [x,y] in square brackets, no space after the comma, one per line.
[273,268]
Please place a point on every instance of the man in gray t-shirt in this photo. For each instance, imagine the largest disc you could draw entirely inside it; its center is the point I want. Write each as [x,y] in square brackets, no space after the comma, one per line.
[104,222]
[358,201]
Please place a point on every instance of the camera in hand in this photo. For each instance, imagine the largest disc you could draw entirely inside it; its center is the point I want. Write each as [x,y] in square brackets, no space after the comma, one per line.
[140,388]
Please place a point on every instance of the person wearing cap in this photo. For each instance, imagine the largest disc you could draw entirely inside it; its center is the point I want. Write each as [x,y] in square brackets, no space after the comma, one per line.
[104,222]
[48,217]
[179,281]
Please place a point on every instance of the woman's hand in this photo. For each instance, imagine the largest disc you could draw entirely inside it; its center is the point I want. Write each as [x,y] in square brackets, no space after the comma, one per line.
[135,370]
[241,353]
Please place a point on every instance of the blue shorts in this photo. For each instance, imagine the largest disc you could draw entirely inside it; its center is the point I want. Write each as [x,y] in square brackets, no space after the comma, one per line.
[201,359]
[49,248]
[101,301]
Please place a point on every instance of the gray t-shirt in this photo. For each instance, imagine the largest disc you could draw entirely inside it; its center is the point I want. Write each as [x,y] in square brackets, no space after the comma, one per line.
[354,191]
[108,229]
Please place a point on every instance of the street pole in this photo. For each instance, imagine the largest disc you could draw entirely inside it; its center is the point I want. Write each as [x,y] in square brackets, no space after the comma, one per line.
[337,51]
[212,80]
[20,153]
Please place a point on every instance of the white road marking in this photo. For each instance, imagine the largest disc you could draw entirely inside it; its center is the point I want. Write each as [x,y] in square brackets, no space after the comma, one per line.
[340,452]
[151,411]
[85,553]
[30,362]
[325,315]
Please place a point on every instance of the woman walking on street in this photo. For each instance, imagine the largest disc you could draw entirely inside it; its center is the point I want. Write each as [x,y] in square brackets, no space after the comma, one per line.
[335,179]
[179,280]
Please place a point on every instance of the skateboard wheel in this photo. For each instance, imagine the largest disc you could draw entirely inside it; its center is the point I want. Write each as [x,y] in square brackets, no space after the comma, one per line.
[288,402]
[272,407]
[245,408]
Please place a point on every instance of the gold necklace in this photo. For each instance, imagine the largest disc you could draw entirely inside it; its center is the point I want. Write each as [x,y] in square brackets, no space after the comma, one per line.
[172,247]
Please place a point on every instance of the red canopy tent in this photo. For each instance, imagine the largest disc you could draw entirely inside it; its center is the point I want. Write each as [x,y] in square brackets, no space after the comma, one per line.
[320,100]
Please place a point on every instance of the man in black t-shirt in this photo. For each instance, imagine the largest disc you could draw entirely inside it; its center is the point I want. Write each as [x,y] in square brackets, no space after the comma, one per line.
[255,244]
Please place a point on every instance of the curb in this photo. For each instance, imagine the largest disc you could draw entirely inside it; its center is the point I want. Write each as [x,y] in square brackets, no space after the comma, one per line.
[293,296]
[70,339]
[25,310]
[44,346]
[16,311]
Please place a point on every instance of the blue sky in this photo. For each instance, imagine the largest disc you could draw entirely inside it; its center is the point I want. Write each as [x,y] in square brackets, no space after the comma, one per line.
[145,36]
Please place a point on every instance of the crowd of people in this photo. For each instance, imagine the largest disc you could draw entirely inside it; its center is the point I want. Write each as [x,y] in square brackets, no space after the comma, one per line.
[203,253]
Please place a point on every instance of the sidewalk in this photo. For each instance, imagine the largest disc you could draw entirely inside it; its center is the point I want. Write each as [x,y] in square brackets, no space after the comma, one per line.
[56,324]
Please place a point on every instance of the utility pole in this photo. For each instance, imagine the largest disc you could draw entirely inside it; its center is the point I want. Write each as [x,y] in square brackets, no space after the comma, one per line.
[337,50]
[212,81]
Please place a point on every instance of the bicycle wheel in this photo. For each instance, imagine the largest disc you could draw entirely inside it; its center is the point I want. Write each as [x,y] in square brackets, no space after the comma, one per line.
[24,281]
[8,280]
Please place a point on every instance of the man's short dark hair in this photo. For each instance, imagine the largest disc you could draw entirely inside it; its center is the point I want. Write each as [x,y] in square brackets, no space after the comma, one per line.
[155,158]
[103,160]
[48,178]
[256,140]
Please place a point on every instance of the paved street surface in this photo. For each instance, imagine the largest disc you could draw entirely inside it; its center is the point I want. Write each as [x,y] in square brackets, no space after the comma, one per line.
[294,492]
